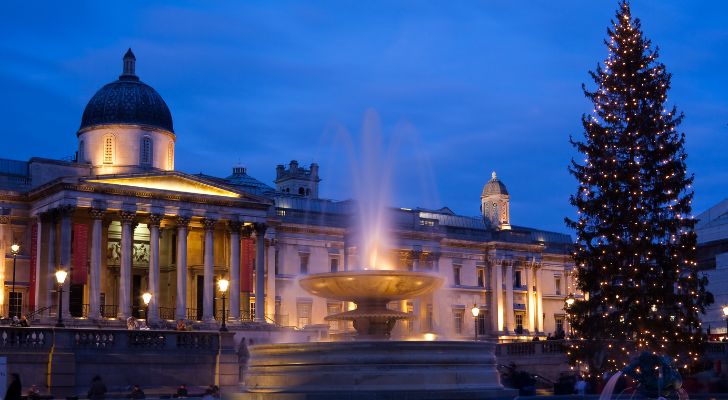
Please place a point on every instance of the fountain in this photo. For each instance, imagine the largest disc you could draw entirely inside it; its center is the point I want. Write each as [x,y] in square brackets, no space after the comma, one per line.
[373,367]
[371,290]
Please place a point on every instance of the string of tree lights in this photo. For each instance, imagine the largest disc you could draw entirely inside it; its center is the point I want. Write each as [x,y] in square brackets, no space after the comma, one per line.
[635,252]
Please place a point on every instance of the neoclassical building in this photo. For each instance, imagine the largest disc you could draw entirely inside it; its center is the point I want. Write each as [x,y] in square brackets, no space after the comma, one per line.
[122,221]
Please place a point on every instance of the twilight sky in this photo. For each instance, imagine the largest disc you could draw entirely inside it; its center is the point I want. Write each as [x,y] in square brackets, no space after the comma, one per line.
[461,88]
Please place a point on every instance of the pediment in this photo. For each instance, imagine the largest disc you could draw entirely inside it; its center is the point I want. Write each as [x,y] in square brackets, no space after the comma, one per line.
[169,183]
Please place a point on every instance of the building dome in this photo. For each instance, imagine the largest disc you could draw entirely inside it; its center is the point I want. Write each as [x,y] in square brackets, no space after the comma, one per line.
[127,101]
[494,187]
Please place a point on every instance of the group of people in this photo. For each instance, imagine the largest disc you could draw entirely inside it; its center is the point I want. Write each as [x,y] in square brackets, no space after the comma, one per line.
[22,321]
[134,324]
[97,391]
[559,335]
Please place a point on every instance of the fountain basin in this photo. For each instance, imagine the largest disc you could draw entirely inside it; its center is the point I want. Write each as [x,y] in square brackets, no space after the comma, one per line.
[371,369]
[371,290]
[370,285]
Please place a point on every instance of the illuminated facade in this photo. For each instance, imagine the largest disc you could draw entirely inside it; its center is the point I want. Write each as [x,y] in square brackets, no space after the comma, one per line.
[123,221]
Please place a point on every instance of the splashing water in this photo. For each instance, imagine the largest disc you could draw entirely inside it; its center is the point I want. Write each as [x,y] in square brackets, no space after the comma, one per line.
[609,387]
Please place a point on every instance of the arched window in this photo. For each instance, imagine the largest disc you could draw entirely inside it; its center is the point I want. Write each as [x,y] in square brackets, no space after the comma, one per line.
[146,150]
[81,157]
[300,191]
[170,156]
[108,149]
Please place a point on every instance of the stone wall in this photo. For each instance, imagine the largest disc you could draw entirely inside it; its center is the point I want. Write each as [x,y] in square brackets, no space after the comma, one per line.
[63,361]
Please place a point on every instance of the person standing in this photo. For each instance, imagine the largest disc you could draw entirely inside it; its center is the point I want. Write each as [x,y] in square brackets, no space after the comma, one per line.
[15,389]
[97,391]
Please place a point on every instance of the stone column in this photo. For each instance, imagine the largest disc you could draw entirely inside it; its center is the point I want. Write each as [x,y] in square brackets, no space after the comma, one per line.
[38,251]
[181,306]
[539,299]
[260,229]
[510,326]
[270,303]
[529,299]
[50,219]
[234,228]
[209,271]
[66,213]
[153,308]
[127,249]
[4,222]
[500,326]
[94,287]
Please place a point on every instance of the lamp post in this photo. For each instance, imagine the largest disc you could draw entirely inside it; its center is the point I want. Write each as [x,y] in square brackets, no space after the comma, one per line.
[475,311]
[60,278]
[725,313]
[222,284]
[147,297]
[15,248]
[570,299]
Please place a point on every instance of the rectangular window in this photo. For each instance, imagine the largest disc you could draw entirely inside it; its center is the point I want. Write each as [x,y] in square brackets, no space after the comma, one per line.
[16,304]
[304,313]
[428,318]
[304,263]
[458,321]
[331,309]
[252,309]
[108,150]
[517,279]
[481,323]
[334,262]
[557,284]
[559,324]
[481,277]
[519,323]
[456,274]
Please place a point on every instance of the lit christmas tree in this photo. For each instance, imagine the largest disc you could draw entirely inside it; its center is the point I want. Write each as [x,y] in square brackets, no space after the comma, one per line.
[635,253]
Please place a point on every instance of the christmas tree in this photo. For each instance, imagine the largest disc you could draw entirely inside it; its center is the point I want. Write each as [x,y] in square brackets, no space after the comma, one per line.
[635,253]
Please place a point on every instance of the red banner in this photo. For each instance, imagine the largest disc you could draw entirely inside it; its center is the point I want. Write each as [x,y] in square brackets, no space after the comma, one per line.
[79,273]
[247,264]
[33,260]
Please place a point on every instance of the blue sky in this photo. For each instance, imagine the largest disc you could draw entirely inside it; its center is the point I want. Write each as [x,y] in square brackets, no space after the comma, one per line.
[464,87]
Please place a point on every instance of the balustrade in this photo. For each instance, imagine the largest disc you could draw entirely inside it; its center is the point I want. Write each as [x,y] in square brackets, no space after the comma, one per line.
[25,338]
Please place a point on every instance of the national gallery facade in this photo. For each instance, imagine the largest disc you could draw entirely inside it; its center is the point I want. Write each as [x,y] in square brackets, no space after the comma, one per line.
[122,221]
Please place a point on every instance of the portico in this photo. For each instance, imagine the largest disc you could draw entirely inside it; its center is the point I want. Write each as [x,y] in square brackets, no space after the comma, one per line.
[120,240]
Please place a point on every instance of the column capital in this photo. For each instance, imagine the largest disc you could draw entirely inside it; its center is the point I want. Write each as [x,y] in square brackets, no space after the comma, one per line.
[66,211]
[127,217]
[209,224]
[155,220]
[183,221]
[234,226]
[247,231]
[260,228]
[97,213]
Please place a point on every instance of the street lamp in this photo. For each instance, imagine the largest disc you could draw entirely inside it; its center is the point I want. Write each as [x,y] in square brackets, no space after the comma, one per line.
[570,300]
[222,284]
[147,297]
[60,278]
[475,311]
[725,313]
[15,248]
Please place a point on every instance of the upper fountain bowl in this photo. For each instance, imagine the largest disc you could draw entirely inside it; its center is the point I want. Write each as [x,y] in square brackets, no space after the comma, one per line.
[370,285]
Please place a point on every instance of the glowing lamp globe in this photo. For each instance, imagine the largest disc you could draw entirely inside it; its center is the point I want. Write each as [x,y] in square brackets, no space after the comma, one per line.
[475,310]
[147,297]
[223,285]
[15,248]
[61,275]
[725,311]
[570,300]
